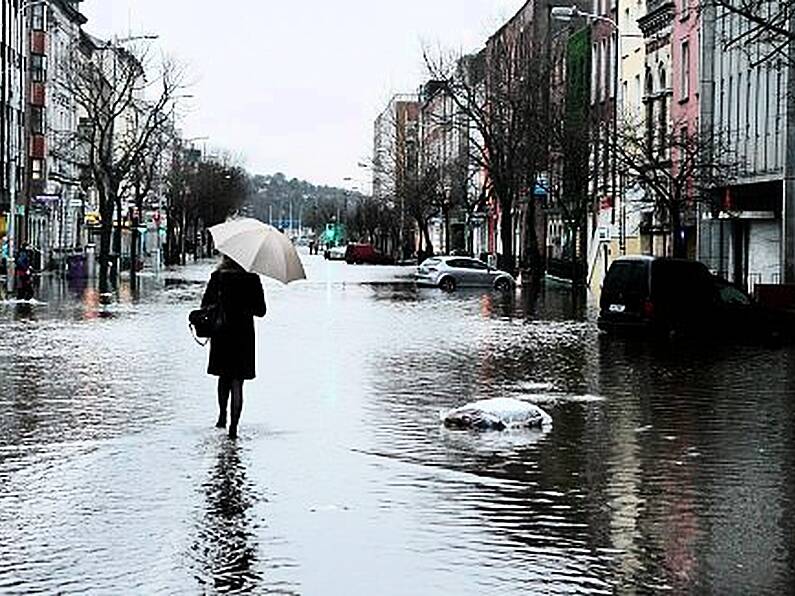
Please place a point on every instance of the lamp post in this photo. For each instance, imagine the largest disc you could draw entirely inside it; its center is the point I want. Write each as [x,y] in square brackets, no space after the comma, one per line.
[567,13]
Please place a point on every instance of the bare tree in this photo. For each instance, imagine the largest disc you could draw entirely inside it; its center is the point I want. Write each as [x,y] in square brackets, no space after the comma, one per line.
[145,177]
[686,170]
[571,175]
[126,97]
[767,27]
[502,94]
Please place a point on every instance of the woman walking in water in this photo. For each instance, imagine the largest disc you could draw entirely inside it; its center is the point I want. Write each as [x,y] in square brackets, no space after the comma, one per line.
[240,297]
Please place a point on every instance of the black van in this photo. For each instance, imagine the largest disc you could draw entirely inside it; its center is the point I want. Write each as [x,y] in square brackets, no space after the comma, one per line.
[664,295]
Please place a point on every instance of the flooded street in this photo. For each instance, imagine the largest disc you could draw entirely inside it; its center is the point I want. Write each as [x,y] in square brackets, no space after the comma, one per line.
[667,468]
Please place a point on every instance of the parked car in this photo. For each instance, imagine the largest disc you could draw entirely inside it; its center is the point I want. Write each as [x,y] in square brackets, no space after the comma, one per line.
[361,254]
[451,272]
[335,253]
[657,295]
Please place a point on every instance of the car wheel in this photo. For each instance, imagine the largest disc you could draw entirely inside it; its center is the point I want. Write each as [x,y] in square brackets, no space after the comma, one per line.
[502,285]
[447,284]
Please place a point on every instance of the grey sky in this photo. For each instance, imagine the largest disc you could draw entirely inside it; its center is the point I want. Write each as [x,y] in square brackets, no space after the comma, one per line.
[293,85]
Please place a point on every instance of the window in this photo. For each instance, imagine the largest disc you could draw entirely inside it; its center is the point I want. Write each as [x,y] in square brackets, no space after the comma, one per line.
[477,265]
[649,113]
[37,120]
[684,80]
[663,121]
[603,75]
[738,107]
[36,169]
[684,9]
[638,97]
[732,296]
[611,69]
[38,17]
[38,68]
[594,71]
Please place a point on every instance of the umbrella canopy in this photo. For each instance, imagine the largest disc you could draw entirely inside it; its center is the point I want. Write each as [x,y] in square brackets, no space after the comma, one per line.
[259,248]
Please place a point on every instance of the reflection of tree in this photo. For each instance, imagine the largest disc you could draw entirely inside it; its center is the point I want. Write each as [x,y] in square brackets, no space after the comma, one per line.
[225,545]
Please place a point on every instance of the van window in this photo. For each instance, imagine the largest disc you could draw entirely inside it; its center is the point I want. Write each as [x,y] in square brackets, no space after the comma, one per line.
[732,296]
[682,284]
[627,277]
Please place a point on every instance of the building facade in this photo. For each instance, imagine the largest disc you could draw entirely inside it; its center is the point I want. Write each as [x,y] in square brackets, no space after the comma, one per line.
[55,202]
[12,162]
[744,109]
[396,146]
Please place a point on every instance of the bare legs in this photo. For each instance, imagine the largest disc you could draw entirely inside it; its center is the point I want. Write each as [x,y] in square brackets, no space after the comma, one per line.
[227,386]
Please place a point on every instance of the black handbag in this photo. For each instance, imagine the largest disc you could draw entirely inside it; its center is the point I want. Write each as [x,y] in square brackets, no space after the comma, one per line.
[207,321]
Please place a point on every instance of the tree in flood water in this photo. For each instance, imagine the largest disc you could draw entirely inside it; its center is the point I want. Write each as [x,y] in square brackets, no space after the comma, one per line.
[502,95]
[127,101]
[676,172]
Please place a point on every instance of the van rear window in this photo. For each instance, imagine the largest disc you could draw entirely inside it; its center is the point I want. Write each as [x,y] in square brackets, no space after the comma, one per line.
[627,277]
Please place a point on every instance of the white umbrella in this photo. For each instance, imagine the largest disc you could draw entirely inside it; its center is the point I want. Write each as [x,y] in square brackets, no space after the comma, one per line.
[259,248]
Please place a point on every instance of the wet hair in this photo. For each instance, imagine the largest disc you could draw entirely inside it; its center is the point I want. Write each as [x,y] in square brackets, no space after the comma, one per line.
[228,264]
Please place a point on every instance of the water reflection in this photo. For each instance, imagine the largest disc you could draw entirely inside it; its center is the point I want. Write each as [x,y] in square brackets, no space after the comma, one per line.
[226,548]
[677,477]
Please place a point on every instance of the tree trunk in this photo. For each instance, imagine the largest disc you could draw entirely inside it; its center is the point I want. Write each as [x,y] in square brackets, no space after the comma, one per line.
[680,246]
[428,242]
[182,232]
[582,241]
[421,242]
[115,270]
[104,252]
[136,237]
[506,234]
[532,250]
[106,204]
[446,219]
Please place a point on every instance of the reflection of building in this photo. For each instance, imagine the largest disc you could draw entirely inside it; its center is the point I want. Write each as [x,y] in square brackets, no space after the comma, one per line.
[55,201]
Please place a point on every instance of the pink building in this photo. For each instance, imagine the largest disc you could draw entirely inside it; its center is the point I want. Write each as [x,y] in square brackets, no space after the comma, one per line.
[685,67]
[685,101]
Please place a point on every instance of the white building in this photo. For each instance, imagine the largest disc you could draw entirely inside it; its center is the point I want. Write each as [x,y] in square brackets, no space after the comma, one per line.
[744,105]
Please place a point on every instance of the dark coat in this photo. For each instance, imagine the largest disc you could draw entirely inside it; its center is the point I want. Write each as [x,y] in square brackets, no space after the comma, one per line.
[242,299]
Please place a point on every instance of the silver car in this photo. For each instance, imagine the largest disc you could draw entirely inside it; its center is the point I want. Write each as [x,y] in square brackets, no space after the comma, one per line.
[449,273]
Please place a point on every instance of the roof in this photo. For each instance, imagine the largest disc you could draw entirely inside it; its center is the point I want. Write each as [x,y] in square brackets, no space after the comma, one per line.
[510,21]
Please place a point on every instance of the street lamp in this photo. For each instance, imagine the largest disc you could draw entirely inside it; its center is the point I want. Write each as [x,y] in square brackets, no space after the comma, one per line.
[567,13]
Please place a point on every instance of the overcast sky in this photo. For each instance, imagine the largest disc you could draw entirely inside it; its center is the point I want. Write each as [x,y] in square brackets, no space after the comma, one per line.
[294,85]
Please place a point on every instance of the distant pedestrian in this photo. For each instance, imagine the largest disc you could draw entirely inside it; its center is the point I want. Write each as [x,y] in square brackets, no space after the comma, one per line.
[241,298]
[24,274]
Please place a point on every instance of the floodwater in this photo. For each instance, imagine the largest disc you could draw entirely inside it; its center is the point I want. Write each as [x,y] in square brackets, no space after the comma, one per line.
[668,468]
